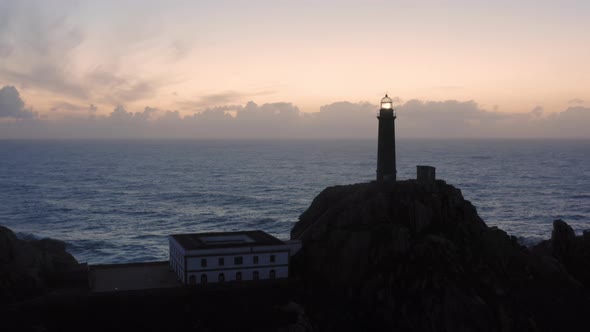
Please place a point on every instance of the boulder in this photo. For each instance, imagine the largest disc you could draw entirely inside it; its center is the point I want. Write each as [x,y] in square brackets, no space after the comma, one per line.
[563,238]
[572,251]
[27,267]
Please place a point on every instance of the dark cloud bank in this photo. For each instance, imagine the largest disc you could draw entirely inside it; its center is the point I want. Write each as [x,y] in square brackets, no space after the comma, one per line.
[416,119]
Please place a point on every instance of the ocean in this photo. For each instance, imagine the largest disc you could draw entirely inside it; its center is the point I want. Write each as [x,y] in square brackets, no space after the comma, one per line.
[116,201]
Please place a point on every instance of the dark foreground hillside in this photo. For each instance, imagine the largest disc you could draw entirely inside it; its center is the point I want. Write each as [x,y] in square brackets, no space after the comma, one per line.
[404,256]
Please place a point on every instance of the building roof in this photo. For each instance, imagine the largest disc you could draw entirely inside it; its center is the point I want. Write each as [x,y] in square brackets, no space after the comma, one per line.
[194,241]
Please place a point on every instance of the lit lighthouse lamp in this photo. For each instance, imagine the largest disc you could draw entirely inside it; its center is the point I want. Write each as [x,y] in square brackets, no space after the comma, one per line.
[386,103]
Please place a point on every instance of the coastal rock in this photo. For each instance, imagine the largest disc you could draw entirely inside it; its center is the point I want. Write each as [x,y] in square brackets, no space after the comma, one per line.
[8,241]
[302,323]
[563,239]
[571,251]
[27,267]
[361,226]
[421,259]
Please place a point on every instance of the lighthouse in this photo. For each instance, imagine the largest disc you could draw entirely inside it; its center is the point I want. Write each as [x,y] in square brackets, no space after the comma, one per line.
[386,141]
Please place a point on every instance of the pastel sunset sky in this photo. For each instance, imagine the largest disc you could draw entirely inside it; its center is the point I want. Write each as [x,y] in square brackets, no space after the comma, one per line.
[482,62]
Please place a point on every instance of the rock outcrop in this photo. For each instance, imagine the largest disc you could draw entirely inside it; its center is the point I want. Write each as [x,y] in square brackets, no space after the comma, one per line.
[27,267]
[572,251]
[419,258]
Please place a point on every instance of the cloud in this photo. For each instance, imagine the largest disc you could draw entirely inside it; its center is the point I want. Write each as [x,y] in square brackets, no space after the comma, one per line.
[61,106]
[36,43]
[180,50]
[120,115]
[219,99]
[537,111]
[135,91]
[284,120]
[5,50]
[12,106]
[576,101]
[46,77]
[571,123]
[116,89]
[270,120]
[209,100]
[450,118]
[104,78]
[42,48]
[454,119]
[342,119]
[270,112]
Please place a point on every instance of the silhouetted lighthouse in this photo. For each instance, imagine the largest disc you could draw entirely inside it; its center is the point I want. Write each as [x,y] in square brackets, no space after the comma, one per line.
[386,141]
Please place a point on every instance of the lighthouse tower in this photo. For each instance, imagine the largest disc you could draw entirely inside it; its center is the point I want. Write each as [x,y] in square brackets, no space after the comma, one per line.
[386,141]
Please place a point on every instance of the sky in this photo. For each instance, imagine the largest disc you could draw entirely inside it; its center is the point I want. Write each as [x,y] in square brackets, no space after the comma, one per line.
[293,69]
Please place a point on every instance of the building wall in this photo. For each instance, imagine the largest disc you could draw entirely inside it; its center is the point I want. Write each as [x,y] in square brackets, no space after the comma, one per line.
[218,251]
[264,273]
[176,258]
[264,259]
[191,261]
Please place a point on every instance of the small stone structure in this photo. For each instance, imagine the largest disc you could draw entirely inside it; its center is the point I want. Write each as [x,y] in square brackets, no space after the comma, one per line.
[425,174]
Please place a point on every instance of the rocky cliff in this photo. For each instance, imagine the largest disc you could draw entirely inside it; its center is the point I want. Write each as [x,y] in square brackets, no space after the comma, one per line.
[28,267]
[419,258]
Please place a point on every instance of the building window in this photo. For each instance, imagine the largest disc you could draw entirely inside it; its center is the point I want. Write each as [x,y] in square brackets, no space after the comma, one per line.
[221,261]
[272,274]
[221,277]
[272,258]
[204,262]
[203,278]
[239,276]
[192,280]
[255,275]
[238,260]
[255,259]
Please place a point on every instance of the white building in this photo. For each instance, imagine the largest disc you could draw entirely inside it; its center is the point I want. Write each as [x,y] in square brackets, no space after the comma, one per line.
[200,258]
